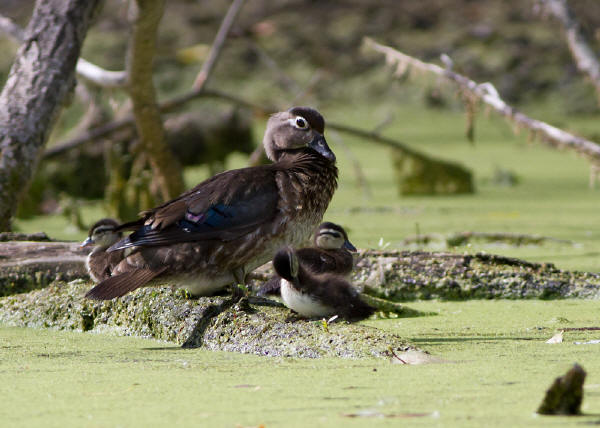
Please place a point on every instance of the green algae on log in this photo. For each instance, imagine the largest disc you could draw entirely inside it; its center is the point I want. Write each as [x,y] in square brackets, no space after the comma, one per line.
[410,275]
[392,275]
[214,323]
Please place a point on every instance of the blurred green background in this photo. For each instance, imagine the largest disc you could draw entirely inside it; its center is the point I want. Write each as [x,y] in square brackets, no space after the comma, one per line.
[283,53]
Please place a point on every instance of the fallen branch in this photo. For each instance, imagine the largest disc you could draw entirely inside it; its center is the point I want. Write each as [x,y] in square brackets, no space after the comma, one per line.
[487,93]
[217,46]
[585,58]
[84,69]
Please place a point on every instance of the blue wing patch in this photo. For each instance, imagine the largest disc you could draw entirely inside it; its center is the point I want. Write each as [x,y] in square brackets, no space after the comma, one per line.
[220,221]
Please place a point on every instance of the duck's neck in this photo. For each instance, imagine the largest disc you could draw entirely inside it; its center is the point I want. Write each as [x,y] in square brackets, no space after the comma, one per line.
[311,177]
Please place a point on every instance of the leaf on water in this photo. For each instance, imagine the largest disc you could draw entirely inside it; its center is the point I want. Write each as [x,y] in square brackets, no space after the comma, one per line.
[557,338]
[415,357]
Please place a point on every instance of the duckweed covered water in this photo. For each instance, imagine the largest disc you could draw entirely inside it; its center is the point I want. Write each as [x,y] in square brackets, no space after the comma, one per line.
[500,369]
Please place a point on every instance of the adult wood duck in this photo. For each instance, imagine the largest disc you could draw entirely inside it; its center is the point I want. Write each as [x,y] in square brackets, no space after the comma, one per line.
[317,295]
[222,229]
[99,262]
[331,253]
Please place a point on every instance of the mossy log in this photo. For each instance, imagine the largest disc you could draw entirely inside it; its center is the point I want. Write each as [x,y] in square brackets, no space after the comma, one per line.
[410,275]
[259,326]
[392,275]
[216,323]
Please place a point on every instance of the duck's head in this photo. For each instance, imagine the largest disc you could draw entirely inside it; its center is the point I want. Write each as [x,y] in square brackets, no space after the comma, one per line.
[331,236]
[285,264]
[295,130]
[102,234]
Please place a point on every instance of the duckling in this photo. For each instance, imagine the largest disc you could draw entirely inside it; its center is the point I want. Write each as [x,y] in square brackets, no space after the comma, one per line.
[317,295]
[221,230]
[331,253]
[102,235]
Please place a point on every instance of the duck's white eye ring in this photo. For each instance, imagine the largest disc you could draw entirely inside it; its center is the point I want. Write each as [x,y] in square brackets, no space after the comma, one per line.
[300,123]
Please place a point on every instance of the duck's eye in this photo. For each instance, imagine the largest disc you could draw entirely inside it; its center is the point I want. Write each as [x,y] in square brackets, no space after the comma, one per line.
[301,123]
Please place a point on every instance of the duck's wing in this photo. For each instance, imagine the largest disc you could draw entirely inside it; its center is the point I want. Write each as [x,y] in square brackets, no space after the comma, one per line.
[318,260]
[223,207]
[334,290]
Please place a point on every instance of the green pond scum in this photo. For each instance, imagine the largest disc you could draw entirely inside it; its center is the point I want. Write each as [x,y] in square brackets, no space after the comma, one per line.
[497,370]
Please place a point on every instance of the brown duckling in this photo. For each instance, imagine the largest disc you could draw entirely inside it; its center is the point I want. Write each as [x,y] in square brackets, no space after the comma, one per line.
[99,262]
[317,295]
[331,254]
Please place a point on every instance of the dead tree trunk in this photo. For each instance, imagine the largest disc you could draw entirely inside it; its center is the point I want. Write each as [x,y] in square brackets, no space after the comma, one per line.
[40,82]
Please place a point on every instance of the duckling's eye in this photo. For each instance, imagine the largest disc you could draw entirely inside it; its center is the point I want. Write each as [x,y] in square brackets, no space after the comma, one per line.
[301,123]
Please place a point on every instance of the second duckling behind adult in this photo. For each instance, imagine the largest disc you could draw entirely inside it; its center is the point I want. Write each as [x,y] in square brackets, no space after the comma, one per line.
[317,295]
[330,253]
[99,262]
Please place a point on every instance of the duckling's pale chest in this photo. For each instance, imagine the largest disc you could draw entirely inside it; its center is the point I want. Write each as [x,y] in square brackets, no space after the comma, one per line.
[303,303]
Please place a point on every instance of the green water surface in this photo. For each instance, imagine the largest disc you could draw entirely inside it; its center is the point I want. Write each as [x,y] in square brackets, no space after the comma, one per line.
[499,368]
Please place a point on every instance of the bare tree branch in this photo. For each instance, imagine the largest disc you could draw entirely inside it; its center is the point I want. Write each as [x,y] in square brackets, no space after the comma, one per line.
[585,58]
[90,135]
[99,76]
[164,107]
[486,93]
[179,101]
[85,69]
[146,15]
[217,46]
[40,82]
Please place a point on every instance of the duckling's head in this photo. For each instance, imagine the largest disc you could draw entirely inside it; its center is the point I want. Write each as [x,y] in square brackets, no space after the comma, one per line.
[296,130]
[102,234]
[331,236]
[285,263]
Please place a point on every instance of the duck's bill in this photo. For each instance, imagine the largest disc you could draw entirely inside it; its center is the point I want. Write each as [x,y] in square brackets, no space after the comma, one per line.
[88,242]
[319,144]
[348,246]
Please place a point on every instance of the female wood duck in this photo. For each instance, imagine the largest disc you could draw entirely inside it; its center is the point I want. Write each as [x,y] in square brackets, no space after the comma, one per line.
[331,253]
[222,229]
[317,295]
[102,235]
